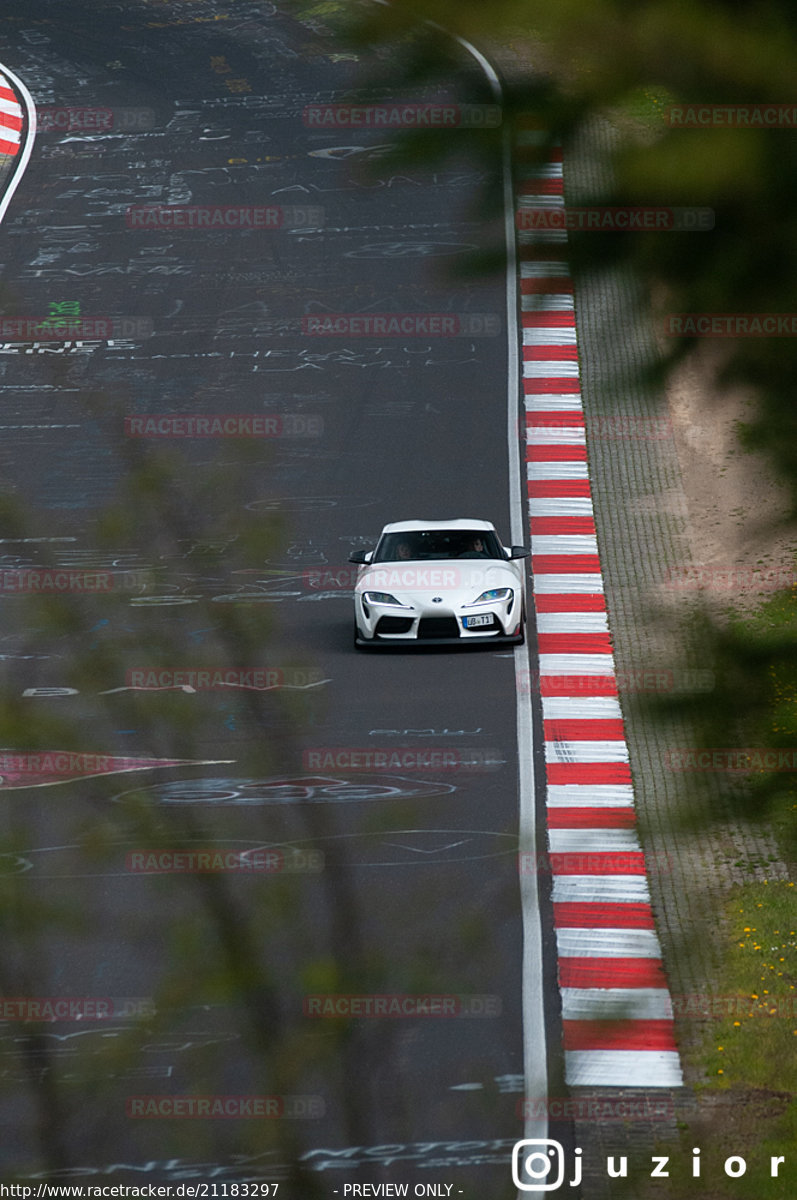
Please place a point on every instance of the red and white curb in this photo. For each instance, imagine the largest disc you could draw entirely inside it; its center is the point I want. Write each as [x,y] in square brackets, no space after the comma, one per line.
[11,118]
[17,130]
[616,1007]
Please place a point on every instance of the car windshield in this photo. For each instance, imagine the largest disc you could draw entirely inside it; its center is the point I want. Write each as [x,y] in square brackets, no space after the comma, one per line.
[422,544]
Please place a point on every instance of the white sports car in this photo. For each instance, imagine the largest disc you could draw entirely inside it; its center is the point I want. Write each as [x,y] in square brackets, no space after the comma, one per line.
[448,582]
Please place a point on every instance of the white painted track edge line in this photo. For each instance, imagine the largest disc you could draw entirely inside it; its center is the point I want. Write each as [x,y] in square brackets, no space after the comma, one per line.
[30,137]
[535,1067]
[534,1027]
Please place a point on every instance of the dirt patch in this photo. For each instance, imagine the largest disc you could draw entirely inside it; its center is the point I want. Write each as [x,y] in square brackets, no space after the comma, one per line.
[736,514]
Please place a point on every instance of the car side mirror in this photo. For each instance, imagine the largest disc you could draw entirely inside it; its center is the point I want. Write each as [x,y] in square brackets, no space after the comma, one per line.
[519,552]
[360,556]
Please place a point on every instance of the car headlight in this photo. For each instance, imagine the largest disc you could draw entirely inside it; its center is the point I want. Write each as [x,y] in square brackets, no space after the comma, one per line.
[382,598]
[494,594]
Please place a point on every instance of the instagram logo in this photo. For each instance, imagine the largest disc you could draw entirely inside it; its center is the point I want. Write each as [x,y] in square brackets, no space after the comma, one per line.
[538,1165]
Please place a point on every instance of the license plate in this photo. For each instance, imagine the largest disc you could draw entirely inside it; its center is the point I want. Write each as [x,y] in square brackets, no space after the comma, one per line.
[483,619]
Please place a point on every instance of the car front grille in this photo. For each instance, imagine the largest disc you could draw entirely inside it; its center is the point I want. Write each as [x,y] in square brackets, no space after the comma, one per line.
[438,627]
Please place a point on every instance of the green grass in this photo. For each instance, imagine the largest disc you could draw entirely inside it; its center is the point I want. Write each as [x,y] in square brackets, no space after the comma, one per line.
[771,629]
[646,105]
[754,1043]
[747,1051]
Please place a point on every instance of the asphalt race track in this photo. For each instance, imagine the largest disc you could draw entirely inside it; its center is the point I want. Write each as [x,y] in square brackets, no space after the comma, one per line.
[384,786]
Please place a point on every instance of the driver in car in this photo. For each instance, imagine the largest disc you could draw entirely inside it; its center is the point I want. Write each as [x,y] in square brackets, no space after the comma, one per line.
[476,549]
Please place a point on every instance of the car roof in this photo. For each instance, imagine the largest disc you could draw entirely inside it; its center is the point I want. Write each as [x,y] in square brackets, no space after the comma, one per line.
[415,526]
